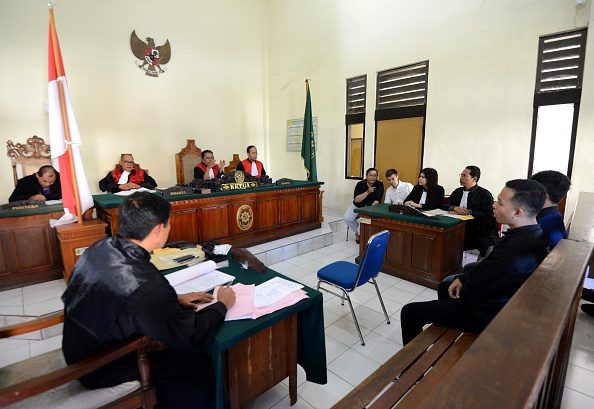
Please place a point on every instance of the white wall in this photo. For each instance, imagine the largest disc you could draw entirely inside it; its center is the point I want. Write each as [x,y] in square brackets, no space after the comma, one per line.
[482,66]
[237,74]
[212,90]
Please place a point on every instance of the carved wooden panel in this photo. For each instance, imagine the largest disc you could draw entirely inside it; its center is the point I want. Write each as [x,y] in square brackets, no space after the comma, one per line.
[309,205]
[32,247]
[289,209]
[184,226]
[268,213]
[213,223]
[397,251]
[423,252]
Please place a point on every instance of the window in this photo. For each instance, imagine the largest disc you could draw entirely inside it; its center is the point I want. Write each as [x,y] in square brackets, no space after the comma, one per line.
[557,98]
[400,113]
[356,93]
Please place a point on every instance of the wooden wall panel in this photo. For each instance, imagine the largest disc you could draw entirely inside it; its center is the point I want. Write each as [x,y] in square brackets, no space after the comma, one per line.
[32,248]
[423,253]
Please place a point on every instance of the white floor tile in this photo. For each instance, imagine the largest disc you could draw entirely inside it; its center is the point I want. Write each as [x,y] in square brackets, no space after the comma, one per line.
[353,367]
[576,400]
[13,355]
[45,345]
[41,286]
[285,403]
[345,331]
[334,349]
[324,396]
[10,293]
[44,307]
[42,295]
[269,398]
[378,347]
[580,379]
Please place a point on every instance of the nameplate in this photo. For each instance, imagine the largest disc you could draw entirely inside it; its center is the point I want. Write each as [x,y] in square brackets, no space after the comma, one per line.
[284,182]
[202,190]
[23,205]
[177,191]
[238,186]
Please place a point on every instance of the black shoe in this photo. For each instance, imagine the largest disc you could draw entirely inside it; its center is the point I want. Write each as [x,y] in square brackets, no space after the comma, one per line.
[588,309]
[588,294]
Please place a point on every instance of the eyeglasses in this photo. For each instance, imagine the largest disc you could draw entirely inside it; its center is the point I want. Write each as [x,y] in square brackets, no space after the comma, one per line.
[127,162]
[464,175]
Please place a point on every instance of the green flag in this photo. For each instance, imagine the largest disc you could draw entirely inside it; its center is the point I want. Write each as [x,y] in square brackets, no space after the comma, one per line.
[308,143]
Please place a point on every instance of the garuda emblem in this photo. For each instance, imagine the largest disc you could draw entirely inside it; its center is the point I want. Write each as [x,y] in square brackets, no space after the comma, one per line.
[150,56]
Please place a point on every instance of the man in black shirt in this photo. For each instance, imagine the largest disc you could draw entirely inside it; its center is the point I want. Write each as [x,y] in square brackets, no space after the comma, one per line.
[43,185]
[367,192]
[473,299]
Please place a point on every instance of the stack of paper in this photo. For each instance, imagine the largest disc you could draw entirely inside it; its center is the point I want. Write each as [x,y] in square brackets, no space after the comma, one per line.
[198,278]
[253,301]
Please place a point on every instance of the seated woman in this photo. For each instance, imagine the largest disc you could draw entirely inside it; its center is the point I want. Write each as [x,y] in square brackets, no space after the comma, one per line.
[427,194]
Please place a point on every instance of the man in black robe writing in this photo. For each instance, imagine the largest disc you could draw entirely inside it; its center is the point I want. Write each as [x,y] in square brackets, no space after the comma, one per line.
[115,292]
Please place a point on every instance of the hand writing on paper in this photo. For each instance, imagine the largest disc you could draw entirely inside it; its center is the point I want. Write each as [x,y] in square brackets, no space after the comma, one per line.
[189,300]
[459,210]
[226,295]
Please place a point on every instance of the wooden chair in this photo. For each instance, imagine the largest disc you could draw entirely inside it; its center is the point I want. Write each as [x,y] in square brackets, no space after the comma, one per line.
[29,156]
[185,162]
[233,164]
[46,381]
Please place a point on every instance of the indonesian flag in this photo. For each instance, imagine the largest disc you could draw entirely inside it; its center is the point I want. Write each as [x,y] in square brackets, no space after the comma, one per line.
[57,130]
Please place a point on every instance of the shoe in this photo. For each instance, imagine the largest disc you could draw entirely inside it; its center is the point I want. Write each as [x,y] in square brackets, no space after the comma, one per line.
[588,294]
[588,309]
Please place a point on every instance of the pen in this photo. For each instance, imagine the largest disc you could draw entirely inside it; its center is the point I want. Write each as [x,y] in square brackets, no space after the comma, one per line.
[229,283]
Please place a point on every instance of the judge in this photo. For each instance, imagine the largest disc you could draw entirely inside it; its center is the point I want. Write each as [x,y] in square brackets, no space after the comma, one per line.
[126,177]
[208,169]
[251,164]
[43,185]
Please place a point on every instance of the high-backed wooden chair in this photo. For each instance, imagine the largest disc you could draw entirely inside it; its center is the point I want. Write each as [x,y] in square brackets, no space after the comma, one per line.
[185,162]
[29,156]
[233,164]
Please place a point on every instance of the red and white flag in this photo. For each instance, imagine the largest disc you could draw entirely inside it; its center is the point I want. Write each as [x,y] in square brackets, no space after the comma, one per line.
[58,121]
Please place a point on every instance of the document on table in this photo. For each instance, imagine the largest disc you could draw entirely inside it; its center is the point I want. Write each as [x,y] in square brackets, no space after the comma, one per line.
[129,192]
[244,302]
[439,212]
[198,278]
[273,290]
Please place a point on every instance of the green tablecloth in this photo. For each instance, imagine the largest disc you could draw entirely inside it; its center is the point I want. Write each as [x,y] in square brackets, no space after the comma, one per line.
[311,344]
[109,201]
[32,212]
[381,211]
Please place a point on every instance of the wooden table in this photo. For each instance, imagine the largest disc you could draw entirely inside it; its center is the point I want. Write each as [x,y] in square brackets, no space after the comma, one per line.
[240,217]
[423,250]
[29,252]
[251,356]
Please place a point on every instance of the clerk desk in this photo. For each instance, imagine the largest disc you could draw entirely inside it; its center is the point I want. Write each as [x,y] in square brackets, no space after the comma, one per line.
[251,356]
[423,250]
[29,250]
[239,217]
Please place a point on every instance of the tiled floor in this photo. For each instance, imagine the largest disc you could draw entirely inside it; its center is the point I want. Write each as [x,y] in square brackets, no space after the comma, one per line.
[348,362]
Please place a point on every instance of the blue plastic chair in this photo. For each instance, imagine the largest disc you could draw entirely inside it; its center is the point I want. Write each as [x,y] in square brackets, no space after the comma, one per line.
[348,276]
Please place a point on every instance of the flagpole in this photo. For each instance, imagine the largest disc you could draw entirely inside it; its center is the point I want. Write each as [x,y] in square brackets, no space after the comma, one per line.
[59,75]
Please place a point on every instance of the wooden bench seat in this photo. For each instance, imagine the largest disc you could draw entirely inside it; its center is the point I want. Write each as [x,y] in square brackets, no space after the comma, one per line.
[518,361]
[46,381]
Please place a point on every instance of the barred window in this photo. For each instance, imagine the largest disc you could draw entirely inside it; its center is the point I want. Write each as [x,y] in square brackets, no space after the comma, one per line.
[356,94]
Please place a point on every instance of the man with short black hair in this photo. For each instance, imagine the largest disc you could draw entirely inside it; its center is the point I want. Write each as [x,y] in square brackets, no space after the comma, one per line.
[115,292]
[251,164]
[43,185]
[551,222]
[474,298]
[126,177]
[472,199]
[398,190]
[367,192]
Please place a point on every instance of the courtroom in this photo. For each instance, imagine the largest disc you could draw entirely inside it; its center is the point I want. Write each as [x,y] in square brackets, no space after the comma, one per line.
[149,259]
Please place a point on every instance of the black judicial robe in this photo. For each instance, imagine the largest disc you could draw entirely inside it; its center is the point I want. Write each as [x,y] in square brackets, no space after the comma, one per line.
[29,186]
[115,292]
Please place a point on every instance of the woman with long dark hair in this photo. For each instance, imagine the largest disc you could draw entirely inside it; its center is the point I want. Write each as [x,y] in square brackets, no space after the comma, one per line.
[427,194]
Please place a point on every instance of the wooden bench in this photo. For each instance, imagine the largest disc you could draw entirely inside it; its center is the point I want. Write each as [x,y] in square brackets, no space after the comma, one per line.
[46,381]
[518,361]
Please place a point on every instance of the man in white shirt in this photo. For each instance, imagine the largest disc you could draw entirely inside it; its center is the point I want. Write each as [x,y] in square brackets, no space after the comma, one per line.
[398,191]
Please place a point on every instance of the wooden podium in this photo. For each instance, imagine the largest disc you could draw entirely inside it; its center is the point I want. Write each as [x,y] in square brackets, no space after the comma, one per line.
[75,238]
